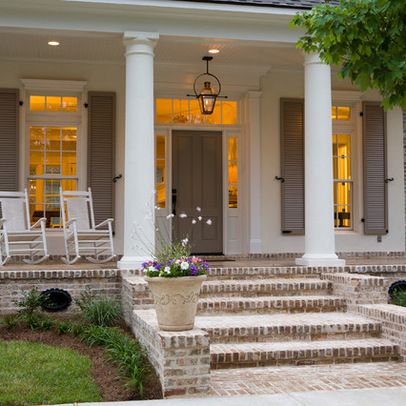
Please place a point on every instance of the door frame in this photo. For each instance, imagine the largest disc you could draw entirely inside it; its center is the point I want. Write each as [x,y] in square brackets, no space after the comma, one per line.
[230,247]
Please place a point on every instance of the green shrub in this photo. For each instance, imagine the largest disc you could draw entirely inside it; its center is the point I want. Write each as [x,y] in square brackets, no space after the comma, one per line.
[31,301]
[399,298]
[99,310]
[10,321]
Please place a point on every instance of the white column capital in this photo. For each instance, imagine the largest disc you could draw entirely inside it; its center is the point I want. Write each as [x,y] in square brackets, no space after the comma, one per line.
[138,42]
[313,58]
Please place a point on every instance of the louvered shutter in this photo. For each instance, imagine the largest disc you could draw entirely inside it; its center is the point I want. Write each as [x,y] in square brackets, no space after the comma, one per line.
[292,165]
[374,156]
[9,110]
[101,134]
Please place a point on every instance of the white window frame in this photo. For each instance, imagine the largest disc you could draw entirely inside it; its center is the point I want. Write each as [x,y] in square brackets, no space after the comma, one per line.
[39,87]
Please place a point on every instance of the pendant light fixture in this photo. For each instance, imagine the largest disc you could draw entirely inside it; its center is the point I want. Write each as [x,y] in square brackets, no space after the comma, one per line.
[209,92]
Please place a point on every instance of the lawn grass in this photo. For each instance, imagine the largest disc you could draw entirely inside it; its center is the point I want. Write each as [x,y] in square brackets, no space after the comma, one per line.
[33,373]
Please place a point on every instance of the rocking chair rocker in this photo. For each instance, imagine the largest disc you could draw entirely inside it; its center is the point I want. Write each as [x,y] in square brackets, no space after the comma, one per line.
[17,236]
[82,236]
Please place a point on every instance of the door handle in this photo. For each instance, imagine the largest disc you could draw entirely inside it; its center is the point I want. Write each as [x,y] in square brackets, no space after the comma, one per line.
[174,198]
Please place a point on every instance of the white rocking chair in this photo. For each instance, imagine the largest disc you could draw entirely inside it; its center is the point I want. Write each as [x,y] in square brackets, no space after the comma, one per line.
[17,236]
[82,236]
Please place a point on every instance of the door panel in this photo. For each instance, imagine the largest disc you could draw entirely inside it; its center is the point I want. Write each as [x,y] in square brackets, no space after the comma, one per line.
[197,182]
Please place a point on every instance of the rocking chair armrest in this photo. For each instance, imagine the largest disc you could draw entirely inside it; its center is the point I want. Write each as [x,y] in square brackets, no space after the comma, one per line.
[70,222]
[38,223]
[103,223]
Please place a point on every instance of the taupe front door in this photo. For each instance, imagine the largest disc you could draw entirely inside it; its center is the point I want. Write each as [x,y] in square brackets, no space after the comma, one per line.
[197,182]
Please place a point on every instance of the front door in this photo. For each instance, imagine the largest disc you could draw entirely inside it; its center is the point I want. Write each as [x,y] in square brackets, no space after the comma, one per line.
[197,184]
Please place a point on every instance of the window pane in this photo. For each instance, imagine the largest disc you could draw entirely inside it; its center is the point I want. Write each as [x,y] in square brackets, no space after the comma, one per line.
[333,112]
[163,110]
[343,193]
[69,184]
[343,112]
[53,103]
[229,112]
[232,197]
[69,104]
[232,172]
[37,103]
[68,164]
[343,168]
[344,145]
[53,163]
[53,139]
[36,163]
[334,144]
[160,172]
[37,138]
[195,115]
[180,111]
[69,138]
[343,217]
[215,117]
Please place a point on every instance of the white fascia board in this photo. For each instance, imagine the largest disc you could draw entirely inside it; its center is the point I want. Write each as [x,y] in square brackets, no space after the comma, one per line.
[170,21]
[192,6]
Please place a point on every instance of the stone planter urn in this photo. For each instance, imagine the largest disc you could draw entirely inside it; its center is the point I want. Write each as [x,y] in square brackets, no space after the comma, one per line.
[176,300]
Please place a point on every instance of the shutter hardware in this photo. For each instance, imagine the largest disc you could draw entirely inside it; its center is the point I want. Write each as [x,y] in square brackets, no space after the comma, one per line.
[280,178]
[21,103]
[387,180]
[116,178]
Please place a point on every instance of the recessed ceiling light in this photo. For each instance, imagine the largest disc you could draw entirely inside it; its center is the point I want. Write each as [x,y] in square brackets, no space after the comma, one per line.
[214,51]
[53,43]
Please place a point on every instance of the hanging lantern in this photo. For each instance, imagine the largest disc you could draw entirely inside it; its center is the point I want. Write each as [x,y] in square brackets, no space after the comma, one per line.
[209,92]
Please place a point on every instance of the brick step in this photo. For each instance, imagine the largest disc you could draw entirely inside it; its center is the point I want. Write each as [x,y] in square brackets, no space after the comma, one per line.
[266,287]
[263,272]
[270,304]
[287,327]
[301,353]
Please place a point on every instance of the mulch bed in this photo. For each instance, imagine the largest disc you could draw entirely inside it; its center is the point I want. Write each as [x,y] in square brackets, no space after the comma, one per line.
[105,373]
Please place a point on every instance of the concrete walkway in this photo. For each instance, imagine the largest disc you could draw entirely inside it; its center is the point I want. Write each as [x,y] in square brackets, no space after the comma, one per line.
[358,397]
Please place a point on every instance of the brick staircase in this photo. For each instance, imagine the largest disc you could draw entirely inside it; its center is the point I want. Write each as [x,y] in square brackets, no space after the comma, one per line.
[253,321]
[258,317]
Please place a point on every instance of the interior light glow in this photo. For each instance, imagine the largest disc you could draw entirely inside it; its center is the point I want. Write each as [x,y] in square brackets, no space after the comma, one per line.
[53,43]
[214,51]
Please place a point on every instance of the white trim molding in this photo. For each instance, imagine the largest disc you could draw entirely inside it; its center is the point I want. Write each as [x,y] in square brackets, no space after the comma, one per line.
[52,85]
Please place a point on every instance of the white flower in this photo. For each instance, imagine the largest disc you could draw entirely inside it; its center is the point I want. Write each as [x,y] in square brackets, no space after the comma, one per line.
[184,265]
[182,215]
[151,269]
[198,208]
[209,222]
[194,221]
[170,216]
[167,269]
[200,218]
[184,242]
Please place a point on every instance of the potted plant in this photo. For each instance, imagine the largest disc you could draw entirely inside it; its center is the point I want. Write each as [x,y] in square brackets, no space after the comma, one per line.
[175,277]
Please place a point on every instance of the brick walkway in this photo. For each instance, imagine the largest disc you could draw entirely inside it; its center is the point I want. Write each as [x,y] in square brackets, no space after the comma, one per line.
[272,380]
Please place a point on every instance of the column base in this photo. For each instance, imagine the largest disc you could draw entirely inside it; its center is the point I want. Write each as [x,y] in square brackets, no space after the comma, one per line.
[127,262]
[320,260]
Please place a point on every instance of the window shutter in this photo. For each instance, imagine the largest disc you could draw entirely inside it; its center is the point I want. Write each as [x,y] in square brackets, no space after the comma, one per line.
[292,165]
[101,134]
[374,156]
[9,109]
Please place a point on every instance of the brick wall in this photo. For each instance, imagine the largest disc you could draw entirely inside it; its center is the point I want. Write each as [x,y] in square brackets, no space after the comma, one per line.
[181,359]
[14,283]
[393,320]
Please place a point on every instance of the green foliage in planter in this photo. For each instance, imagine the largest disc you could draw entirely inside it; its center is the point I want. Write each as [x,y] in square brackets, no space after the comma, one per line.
[99,310]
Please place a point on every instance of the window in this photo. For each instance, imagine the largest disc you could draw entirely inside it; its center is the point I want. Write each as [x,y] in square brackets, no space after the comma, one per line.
[187,111]
[343,181]
[53,146]
[160,172]
[232,173]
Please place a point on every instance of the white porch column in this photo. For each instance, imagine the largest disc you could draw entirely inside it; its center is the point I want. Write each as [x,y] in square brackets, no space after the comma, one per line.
[319,217]
[139,173]
[252,104]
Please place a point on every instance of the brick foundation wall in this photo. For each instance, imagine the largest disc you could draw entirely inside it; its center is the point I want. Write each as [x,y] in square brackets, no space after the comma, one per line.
[14,283]
[393,320]
[181,359]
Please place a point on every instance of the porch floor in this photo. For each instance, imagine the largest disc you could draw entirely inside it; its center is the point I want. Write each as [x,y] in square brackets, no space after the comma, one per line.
[57,264]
